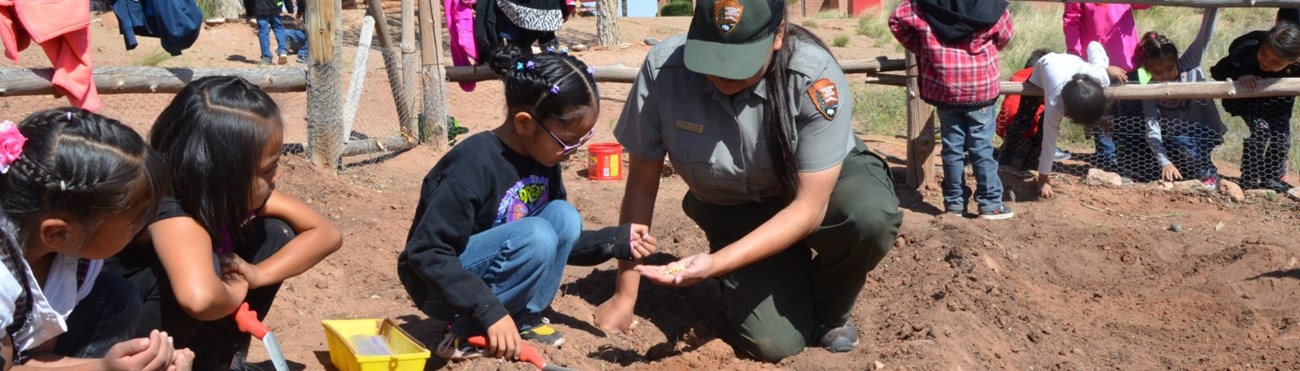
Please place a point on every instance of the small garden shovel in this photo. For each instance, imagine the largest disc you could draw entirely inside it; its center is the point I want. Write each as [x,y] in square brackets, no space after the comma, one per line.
[248,323]
[527,353]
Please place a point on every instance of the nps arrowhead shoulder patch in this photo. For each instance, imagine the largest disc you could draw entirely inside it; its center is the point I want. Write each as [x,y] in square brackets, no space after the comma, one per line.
[826,97]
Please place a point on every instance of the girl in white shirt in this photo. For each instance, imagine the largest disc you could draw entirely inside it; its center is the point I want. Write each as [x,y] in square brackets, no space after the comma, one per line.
[75,187]
[1072,88]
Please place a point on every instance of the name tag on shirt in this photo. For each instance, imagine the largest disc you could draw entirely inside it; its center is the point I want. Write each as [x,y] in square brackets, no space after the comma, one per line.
[690,126]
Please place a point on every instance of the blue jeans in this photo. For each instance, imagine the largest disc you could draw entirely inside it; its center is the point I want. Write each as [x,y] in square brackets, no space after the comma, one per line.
[522,262]
[1105,144]
[1189,148]
[265,24]
[297,40]
[969,131]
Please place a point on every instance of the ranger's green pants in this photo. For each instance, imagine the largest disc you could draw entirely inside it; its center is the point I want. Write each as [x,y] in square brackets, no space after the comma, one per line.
[775,305]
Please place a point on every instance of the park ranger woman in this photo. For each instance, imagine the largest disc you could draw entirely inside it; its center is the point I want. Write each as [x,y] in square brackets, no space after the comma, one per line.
[755,114]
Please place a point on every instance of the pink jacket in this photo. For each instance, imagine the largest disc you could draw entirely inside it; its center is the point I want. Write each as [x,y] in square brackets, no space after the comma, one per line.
[60,27]
[1111,25]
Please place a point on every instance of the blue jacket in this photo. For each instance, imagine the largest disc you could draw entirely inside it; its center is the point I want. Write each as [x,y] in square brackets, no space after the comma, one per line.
[176,22]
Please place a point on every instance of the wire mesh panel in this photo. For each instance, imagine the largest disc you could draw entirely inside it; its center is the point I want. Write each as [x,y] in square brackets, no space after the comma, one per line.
[1249,141]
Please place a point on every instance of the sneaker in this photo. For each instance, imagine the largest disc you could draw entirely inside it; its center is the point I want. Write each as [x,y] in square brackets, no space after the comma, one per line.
[455,348]
[284,58]
[1062,155]
[266,61]
[1211,182]
[840,339]
[1002,212]
[543,333]
[1277,185]
[302,59]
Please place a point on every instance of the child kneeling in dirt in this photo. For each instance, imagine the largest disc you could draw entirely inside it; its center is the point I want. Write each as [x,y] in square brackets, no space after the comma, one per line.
[225,236]
[493,230]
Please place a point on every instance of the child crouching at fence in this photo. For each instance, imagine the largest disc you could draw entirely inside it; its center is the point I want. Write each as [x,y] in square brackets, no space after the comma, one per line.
[958,63]
[76,187]
[1172,138]
[1074,88]
[493,231]
[1019,123]
[1255,55]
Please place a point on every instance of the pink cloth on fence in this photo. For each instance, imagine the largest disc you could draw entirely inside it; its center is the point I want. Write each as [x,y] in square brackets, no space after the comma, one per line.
[60,27]
[460,25]
[1111,25]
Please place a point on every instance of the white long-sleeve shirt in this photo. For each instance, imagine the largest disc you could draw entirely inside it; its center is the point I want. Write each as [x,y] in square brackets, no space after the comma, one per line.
[1051,73]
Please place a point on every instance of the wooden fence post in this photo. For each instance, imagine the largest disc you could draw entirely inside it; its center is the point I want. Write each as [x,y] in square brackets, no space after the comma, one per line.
[324,84]
[920,133]
[406,111]
[433,128]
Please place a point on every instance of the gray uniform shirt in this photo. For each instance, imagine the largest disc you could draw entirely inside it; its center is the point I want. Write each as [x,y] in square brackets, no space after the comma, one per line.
[718,143]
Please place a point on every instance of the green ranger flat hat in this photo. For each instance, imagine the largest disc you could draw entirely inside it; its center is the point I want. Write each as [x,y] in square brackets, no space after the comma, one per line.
[731,38]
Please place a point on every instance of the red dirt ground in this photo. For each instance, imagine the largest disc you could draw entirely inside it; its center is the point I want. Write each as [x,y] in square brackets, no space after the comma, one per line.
[1094,278]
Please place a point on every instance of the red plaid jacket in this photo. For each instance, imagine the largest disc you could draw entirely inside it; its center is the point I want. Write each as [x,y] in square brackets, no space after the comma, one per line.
[963,74]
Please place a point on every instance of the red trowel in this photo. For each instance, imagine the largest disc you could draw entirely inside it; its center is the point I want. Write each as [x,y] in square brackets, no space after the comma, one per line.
[527,353]
[248,323]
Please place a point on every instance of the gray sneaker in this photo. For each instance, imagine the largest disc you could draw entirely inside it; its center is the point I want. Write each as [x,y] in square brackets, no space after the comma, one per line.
[841,339]
[1000,213]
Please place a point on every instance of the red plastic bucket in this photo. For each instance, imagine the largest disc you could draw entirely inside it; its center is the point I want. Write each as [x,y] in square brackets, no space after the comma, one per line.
[605,161]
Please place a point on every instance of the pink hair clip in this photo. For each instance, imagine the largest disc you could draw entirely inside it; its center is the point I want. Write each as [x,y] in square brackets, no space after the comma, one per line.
[11,145]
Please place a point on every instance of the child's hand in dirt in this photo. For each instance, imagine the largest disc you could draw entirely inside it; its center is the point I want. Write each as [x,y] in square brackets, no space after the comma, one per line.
[1044,186]
[681,273]
[1250,82]
[614,316]
[182,360]
[643,244]
[503,339]
[1170,173]
[152,353]
[1117,75]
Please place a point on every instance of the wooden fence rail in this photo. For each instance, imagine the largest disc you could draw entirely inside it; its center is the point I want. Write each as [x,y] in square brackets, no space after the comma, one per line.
[626,74]
[1190,3]
[136,80]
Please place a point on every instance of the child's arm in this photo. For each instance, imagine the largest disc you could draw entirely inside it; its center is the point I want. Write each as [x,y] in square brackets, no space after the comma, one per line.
[316,239]
[1191,57]
[1002,30]
[1071,23]
[1051,128]
[903,25]
[1151,115]
[185,250]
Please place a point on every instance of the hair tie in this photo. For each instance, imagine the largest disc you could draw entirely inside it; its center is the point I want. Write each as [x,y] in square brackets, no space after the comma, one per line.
[530,65]
[11,145]
[63,186]
[555,89]
[519,66]
[69,115]
[591,71]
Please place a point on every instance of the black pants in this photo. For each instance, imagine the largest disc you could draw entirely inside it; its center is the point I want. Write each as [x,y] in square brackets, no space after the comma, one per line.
[1264,152]
[102,319]
[1017,151]
[215,343]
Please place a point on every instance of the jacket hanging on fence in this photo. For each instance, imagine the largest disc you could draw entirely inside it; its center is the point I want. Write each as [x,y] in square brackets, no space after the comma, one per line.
[954,20]
[175,22]
[460,25]
[60,27]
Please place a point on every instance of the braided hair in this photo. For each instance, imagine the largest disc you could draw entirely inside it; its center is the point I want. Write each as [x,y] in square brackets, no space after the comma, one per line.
[80,164]
[548,86]
[1155,46]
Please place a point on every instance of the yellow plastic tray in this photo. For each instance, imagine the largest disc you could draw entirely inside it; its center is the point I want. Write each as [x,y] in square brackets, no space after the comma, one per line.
[408,354]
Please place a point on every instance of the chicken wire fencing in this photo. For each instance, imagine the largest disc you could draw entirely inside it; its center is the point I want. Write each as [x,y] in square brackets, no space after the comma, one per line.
[1187,139]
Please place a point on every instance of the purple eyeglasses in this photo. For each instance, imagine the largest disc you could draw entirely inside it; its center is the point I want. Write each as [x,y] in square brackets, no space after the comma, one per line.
[568,149]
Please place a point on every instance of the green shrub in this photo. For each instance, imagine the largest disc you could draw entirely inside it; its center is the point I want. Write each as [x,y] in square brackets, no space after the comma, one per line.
[677,9]
[840,41]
